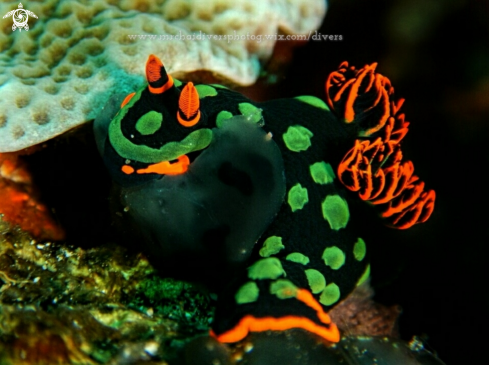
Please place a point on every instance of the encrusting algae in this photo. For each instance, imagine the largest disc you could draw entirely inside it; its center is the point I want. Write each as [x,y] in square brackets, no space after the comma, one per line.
[61,305]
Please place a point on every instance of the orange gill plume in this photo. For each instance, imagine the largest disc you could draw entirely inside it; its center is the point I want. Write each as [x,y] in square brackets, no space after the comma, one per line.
[158,80]
[188,113]
[374,167]
[360,96]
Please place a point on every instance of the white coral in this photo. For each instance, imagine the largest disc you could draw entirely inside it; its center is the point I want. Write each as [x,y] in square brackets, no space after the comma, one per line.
[76,54]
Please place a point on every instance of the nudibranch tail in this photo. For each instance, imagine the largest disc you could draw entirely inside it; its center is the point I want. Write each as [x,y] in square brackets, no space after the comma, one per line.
[374,167]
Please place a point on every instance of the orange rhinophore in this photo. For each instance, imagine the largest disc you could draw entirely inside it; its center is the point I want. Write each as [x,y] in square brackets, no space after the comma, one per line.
[158,80]
[188,113]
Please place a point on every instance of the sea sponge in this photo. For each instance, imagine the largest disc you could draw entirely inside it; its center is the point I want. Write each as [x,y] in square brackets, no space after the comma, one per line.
[62,71]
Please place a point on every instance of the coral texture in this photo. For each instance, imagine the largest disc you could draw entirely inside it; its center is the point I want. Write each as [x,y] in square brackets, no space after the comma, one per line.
[61,72]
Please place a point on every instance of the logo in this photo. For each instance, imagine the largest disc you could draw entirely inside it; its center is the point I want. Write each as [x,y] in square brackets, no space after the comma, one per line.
[20,17]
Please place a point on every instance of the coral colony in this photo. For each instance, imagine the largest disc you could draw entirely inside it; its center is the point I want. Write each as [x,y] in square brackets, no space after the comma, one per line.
[57,75]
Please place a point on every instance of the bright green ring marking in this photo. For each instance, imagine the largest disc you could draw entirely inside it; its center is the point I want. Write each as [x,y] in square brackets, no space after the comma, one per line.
[269,268]
[271,246]
[149,123]
[316,280]
[248,293]
[312,100]
[298,258]
[334,257]
[297,138]
[297,197]
[322,173]
[335,211]
[330,294]
[205,90]
[359,249]
[195,141]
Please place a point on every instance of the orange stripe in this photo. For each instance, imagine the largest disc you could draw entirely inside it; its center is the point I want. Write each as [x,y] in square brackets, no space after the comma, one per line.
[127,99]
[250,323]
[127,169]
[167,168]
[162,89]
[189,123]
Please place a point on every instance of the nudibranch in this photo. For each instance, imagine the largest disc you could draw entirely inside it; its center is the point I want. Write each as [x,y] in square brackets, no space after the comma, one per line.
[254,196]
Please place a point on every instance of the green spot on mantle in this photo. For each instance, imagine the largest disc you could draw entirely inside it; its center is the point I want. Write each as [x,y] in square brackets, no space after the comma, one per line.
[316,280]
[330,294]
[283,289]
[297,197]
[333,257]
[271,246]
[312,100]
[205,90]
[222,116]
[269,268]
[359,250]
[248,293]
[322,173]
[195,141]
[250,111]
[335,211]
[297,138]
[298,258]
[149,123]
[365,276]
[177,83]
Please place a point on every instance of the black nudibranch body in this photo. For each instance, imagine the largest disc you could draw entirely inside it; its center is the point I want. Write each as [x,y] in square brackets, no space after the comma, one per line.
[245,198]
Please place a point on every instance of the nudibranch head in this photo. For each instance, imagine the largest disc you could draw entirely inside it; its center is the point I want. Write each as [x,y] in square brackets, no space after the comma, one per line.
[157,127]
[196,185]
